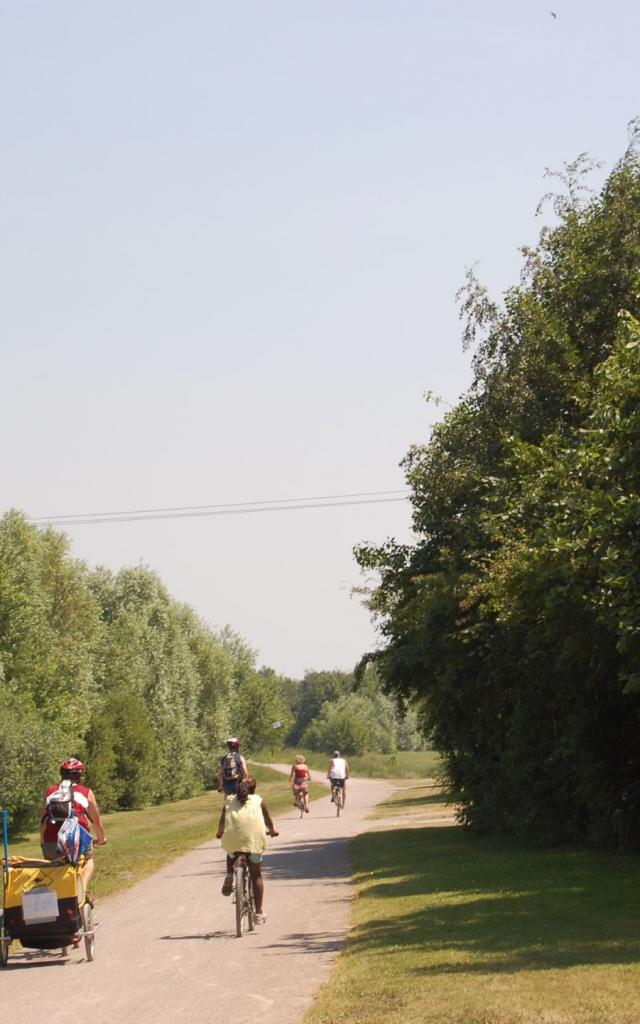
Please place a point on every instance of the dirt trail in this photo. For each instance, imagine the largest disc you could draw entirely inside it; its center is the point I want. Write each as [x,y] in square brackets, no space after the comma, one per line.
[166,950]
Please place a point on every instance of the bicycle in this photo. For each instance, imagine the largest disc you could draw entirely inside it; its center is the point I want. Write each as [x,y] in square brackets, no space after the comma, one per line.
[300,803]
[243,896]
[337,797]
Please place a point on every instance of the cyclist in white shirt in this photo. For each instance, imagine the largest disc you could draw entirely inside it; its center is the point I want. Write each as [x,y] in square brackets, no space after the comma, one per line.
[338,773]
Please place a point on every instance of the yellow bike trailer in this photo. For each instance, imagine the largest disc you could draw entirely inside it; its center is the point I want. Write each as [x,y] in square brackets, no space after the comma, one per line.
[44,905]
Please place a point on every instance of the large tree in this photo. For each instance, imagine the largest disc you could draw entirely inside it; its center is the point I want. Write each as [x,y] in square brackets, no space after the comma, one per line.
[513,619]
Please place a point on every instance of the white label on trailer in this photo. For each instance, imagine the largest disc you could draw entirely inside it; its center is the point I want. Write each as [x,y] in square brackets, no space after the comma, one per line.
[39,906]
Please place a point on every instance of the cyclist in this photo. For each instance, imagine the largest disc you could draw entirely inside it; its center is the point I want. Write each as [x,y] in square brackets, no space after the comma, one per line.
[85,809]
[338,773]
[233,768]
[300,777]
[244,825]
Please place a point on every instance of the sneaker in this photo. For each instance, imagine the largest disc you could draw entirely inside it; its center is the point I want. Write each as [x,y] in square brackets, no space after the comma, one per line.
[260,918]
[306,810]
[227,886]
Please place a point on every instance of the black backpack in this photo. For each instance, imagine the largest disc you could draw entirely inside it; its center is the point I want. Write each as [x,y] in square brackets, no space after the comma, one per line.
[231,767]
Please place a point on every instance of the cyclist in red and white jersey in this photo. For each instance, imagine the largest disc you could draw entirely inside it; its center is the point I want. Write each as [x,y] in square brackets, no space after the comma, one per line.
[85,808]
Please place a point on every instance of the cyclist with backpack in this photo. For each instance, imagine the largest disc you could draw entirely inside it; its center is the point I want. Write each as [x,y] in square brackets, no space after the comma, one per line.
[66,800]
[233,768]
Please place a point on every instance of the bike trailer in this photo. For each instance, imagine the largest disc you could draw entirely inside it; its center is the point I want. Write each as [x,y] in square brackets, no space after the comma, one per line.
[42,902]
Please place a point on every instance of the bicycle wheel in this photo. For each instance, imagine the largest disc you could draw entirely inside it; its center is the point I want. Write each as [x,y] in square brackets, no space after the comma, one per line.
[300,802]
[5,942]
[338,800]
[251,906]
[240,874]
[89,931]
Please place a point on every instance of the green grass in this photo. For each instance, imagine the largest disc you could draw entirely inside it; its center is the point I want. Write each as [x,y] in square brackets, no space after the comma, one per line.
[454,928]
[421,800]
[140,842]
[404,764]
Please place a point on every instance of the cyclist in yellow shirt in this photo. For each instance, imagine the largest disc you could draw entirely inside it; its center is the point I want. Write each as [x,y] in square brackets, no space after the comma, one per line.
[244,825]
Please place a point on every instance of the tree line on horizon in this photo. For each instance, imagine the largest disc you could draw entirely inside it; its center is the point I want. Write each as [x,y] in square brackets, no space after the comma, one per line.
[513,620]
[109,667]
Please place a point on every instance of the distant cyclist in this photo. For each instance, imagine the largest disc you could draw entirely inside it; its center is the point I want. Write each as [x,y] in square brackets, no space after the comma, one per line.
[338,773]
[233,768]
[299,777]
[84,807]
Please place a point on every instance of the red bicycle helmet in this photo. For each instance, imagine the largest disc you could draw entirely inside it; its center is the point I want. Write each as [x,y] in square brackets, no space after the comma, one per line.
[233,741]
[72,765]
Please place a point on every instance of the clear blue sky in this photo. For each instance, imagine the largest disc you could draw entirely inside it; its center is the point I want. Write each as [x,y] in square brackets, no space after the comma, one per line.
[231,239]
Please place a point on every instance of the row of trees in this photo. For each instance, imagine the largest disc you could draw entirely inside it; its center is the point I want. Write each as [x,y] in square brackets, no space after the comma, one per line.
[109,667]
[513,621]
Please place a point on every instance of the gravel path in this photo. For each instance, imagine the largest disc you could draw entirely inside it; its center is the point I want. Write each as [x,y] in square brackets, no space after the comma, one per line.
[166,950]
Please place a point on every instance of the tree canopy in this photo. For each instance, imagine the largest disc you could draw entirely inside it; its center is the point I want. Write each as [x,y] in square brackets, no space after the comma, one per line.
[513,621]
[111,668]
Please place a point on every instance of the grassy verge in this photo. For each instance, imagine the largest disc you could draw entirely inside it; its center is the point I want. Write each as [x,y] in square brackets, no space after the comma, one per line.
[404,764]
[140,842]
[461,929]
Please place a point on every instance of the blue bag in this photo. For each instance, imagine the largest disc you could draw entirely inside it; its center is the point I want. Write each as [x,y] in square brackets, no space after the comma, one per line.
[73,840]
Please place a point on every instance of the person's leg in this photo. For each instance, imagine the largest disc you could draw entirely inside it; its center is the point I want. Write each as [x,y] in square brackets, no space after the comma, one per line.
[87,872]
[344,793]
[227,885]
[255,870]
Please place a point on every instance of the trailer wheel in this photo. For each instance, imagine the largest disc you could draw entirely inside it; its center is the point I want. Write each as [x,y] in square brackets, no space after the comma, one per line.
[89,931]
[5,942]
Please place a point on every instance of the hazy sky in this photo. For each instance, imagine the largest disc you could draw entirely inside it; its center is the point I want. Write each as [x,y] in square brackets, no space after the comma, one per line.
[231,238]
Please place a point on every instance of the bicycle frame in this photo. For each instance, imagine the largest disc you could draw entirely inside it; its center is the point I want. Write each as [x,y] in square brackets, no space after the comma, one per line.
[337,794]
[300,803]
[243,895]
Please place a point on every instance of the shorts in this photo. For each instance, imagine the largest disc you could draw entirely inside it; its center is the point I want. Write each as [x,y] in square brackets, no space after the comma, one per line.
[339,783]
[50,851]
[301,787]
[230,786]
[255,858]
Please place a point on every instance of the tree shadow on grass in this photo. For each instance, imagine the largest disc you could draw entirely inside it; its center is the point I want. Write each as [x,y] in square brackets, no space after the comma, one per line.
[413,801]
[470,904]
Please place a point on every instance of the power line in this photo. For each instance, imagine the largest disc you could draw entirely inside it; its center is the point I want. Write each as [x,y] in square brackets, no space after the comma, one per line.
[232,508]
[197,508]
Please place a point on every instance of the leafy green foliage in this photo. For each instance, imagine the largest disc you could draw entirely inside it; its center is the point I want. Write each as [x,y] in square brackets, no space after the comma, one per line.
[514,621]
[350,711]
[354,723]
[110,667]
[26,751]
